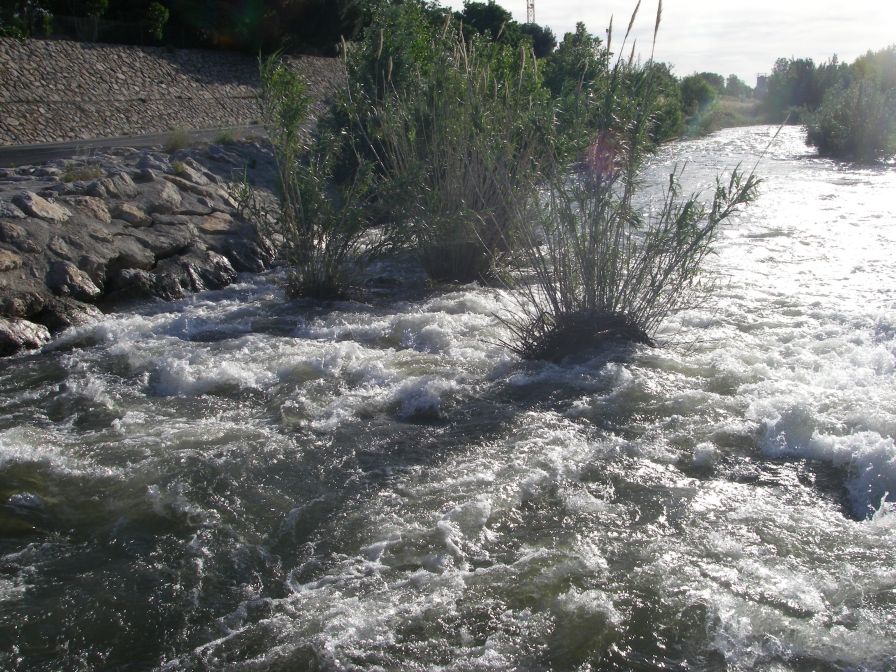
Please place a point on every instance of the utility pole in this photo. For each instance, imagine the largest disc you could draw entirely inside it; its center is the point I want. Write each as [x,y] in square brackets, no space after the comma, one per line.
[530,11]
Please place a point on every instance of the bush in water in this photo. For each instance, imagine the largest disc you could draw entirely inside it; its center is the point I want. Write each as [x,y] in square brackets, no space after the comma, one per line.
[319,222]
[441,125]
[603,269]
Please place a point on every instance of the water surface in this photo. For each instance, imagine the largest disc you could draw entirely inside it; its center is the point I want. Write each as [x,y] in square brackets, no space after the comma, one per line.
[238,482]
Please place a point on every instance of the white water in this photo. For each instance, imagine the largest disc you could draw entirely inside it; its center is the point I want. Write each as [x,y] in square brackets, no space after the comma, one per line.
[236,482]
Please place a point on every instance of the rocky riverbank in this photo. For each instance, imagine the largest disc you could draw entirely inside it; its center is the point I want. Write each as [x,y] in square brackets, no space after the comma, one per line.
[78,237]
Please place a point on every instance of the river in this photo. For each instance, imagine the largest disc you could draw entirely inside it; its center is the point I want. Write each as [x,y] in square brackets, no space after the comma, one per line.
[240,482]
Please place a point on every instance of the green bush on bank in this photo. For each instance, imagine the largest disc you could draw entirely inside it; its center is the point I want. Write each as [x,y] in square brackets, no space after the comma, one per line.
[857,118]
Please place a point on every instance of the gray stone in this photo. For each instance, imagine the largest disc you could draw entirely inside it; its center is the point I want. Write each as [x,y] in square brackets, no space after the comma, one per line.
[132,215]
[9,261]
[163,198]
[62,312]
[66,279]
[9,211]
[16,334]
[216,223]
[41,208]
[93,207]
[119,185]
[18,237]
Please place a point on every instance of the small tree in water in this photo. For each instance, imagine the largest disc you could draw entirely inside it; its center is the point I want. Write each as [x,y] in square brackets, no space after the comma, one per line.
[603,269]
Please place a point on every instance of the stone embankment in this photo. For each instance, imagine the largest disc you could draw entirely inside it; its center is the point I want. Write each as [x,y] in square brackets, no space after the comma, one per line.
[76,237]
[55,90]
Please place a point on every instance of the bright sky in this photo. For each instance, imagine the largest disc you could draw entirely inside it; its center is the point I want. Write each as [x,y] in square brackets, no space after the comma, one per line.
[743,38]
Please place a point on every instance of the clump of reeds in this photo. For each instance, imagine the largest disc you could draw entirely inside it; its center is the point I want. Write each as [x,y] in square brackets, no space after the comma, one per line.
[598,267]
[442,131]
[319,223]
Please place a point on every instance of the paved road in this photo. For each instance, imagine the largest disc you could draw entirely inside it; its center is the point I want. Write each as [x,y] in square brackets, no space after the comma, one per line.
[22,155]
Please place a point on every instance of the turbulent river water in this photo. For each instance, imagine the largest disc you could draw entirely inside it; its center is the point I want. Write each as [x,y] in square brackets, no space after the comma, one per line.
[240,482]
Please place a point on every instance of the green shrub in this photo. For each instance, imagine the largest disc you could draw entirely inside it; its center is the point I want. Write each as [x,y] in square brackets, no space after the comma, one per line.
[178,138]
[155,19]
[75,171]
[602,268]
[440,125]
[857,123]
[319,223]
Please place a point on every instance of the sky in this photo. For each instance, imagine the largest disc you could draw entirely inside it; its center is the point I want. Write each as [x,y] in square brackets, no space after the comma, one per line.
[741,38]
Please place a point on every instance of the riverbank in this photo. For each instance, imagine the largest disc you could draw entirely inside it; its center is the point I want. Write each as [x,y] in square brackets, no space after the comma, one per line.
[81,236]
[54,91]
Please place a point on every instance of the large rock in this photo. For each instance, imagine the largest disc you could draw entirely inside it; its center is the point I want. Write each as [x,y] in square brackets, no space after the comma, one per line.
[41,208]
[162,197]
[66,279]
[9,211]
[216,223]
[18,237]
[17,334]
[132,215]
[120,185]
[92,207]
[9,261]
[63,312]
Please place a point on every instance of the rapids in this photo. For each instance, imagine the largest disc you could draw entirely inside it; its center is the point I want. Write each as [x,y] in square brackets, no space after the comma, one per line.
[239,482]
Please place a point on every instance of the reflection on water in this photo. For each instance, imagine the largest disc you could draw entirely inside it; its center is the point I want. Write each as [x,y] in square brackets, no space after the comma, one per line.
[235,482]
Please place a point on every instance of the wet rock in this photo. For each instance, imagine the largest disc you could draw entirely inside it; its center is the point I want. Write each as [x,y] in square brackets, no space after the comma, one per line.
[9,211]
[63,312]
[66,279]
[132,215]
[9,261]
[39,207]
[19,334]
[20,302]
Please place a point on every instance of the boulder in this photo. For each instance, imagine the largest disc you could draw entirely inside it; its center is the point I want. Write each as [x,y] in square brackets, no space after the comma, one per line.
[39,207]
[18,334]
[62,312]
[163,197]
[92,207]
[66,279]
[119,185]
[17,237]
[9,261]
[216,223]
[132,215]
[9,211]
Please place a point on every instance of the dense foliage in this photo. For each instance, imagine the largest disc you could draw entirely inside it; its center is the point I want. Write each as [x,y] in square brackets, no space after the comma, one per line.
[857,116]
[471,141]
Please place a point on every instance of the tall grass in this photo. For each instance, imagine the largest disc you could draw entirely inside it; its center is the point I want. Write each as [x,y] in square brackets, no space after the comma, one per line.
[597,267]
[441,132]
[319,223]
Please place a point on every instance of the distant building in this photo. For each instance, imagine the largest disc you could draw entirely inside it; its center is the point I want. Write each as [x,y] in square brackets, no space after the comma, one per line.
[761,86]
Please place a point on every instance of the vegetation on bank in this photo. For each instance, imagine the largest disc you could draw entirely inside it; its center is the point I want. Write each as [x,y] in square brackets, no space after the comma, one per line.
[497,166]
[849,109]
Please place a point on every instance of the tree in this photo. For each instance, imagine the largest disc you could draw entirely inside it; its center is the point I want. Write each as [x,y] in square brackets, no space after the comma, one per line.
[735,86]
[486,18]
[543,40]
[696,94]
